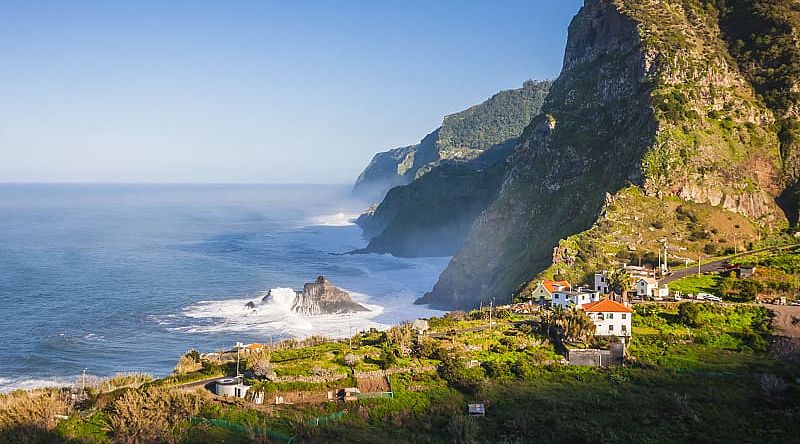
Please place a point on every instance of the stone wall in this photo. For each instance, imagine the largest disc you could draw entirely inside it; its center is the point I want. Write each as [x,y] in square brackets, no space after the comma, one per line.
[593,357]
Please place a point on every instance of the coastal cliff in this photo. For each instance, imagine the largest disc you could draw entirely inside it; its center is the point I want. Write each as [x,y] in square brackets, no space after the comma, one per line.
[462,137]
[651,96]
[463,167]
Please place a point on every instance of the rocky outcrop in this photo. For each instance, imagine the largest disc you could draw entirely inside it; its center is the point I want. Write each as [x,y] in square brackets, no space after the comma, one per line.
[463,137]
[317,298]
[322,297]
[648,96]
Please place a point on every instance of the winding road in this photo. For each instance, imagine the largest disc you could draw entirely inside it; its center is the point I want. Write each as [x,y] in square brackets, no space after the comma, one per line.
[715,265]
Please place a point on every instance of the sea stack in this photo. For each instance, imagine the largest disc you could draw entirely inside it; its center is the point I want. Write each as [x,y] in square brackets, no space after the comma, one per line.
[322,297]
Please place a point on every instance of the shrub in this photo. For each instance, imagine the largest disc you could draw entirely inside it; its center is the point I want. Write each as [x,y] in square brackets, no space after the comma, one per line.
[188,363]
[151,415]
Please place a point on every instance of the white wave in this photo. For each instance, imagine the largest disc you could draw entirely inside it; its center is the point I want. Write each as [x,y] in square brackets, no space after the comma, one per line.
[341,219]
[274,316]
[26,383]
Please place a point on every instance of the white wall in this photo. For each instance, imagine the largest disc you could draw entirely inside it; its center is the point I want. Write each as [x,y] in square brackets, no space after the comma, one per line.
[603,321]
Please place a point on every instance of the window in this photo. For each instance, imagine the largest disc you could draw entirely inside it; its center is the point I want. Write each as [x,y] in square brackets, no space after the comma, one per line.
[624,315]
[611,327]
[624,328]
[611,316]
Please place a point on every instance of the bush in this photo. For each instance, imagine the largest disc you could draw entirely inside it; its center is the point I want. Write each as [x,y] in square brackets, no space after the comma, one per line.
[188,363]
[457,375]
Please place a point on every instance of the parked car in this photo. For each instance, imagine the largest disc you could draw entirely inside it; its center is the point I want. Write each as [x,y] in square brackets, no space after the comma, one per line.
[709,297]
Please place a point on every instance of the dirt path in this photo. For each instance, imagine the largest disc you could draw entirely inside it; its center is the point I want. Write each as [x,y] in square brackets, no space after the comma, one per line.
[783,321]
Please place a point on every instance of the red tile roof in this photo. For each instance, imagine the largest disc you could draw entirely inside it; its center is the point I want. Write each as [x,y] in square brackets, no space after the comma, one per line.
[552,285]
[605,306]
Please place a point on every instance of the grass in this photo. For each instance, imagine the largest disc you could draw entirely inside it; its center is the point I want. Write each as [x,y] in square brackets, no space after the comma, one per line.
[696,375]
[706,283]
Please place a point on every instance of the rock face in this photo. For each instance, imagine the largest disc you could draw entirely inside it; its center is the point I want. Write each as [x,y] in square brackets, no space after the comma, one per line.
[463,136]
[650,96]
[449,178]
[322,297]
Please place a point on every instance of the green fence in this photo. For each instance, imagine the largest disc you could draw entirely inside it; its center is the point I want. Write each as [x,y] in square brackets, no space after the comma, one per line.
[236,427]
[246,430]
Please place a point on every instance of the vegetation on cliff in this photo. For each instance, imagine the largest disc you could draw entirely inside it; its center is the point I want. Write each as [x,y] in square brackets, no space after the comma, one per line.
[650,96]
[463,136]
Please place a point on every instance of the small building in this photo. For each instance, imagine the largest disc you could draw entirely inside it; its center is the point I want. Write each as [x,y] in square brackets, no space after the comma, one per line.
[740,271]
[478,409]
[601,283]
[349,394]
[543,293]
[577,298]
[593,357]
[420,326]
[646,287]
[232,387]
[250,348]
[610,318]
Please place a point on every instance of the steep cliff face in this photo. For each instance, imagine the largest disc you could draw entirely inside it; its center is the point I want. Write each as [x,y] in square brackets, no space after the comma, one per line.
[463,137]
[649,96]
[432,215]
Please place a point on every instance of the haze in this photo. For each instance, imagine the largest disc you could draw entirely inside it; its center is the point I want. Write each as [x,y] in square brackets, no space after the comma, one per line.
[250,92]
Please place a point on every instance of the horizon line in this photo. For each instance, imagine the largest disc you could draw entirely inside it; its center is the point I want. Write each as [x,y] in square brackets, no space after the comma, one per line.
[164,183]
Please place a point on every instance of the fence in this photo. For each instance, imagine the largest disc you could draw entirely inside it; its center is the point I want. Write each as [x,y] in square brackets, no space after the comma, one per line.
[272,434]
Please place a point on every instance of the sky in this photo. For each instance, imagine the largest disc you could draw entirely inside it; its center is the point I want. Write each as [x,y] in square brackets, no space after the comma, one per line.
[250,91]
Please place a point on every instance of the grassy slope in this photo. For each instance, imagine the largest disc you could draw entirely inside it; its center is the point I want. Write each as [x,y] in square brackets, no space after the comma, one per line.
[696,378]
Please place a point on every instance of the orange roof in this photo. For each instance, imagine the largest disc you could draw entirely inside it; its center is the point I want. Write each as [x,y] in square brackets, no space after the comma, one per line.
[606,305]
[254,346]
[551,285]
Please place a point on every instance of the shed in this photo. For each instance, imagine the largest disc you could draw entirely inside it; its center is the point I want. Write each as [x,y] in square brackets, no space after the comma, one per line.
[420,326]
[478,409]
[232,387]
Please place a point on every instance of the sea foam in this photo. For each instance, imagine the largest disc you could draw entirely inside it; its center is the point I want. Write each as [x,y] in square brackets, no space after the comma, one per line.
[341,219]
[274,316]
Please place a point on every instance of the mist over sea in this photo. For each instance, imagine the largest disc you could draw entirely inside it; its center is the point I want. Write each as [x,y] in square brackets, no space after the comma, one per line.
[121,278]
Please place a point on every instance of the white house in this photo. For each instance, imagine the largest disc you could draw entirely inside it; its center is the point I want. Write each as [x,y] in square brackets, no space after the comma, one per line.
[543,293]
[610,318]
[645,287]
[601,283]
[577,298]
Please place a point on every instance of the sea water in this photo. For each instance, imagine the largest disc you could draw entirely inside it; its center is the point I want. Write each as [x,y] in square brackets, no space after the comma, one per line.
[126,278]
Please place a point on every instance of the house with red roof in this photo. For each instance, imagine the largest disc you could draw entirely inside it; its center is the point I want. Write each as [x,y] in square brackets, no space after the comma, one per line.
[610,318]
[543,293]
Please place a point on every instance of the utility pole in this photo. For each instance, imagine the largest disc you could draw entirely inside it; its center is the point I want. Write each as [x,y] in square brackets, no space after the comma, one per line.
[491,307]
[238,348]
[699,259]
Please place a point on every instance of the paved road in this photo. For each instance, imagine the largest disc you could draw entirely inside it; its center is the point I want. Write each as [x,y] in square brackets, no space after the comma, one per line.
[713,265]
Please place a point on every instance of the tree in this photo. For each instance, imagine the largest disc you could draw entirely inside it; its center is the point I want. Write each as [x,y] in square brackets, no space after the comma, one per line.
[575,325]
[621,282]
[261,365]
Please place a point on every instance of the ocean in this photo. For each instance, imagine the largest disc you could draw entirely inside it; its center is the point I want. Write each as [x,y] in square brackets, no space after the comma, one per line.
[126,278]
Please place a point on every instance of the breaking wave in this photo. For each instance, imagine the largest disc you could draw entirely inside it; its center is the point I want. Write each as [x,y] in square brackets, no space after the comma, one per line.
[24,383]
[273,315]
[334,220]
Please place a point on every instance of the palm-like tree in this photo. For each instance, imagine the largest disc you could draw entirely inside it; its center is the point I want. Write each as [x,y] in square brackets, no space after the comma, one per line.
[575,325]
[621,282]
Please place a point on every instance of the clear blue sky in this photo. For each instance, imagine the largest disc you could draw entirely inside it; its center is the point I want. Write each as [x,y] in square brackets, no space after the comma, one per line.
[250,91]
